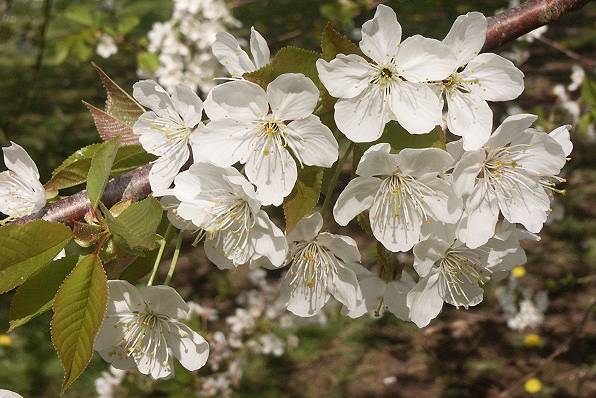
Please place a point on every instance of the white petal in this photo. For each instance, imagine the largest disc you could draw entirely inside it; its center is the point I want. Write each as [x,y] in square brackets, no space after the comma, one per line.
[273,173]
[9,394]
[468,294]
[165,300]
[466,171]
[164,170]
[466,37]
[418,162]
[561,135]
[259,48]
[424,300]
[396,297]
[233,135]
[19,161]
[155,97]
[377,161]
[427,253]
[397,233]
[372,288]
[421,59]
[470,117]
[526,203]
[477,225]
[497,78]
[189,347]
[312,142]
[510,127]
[239,100]
[456,149]
[302,300]
[216,255]
[345,288]
[156,362]
[20,196]
[381,35]
[341,246]
[307,228]
[268,240]
[539,153]
[228,52]
[345,76]
[362,118]
[416,107]
[356,197]
[188,104]
[292,96]
[124,298]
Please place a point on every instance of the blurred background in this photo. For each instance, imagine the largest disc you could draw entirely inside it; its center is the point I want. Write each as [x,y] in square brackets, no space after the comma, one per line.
[534,333]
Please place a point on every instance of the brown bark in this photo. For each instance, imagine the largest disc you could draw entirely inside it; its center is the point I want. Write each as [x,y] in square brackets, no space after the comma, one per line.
[134,185]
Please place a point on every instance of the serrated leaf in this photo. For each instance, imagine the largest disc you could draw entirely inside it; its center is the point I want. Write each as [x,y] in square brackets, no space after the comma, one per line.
[120,113]
[304,196]
[74,170]
[333,43]
[36,296]
[136,226]
[79,309]
[26,248]
[100,170]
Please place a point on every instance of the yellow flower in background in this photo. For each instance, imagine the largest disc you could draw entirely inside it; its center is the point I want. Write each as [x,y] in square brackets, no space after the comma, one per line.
[518,271]
[533,386]
[532,340]
[5,340]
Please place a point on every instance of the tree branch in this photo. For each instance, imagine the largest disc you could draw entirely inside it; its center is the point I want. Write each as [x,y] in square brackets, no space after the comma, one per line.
[134,185]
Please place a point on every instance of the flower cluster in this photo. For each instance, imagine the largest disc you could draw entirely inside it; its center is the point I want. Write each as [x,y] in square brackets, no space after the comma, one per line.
[462,209]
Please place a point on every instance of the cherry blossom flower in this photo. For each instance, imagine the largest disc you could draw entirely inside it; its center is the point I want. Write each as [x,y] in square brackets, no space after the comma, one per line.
[391,87]
[263,129]
[400,192]
[511,175]
[453,273]
[236,61]
[9,394]
[477,78]
[222,203]
[21,193]
[106,47]
[142,329]
[166,130]
[319,268]
[379,295]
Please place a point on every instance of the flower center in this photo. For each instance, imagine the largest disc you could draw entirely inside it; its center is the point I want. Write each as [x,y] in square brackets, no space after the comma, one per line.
[456,82]
[142,336]
[384,76]
[311,265]
[398,197]
[171,129]
[461,266]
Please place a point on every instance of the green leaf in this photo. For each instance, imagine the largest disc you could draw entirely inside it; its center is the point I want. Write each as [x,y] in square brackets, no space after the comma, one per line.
[399,138]
[148,62]
[304,196]
[80,14]
[100,169]
[127,24]
[36,296]
[142,265]
[74,170]
[288,60]
[120,113]
[24,249]
[79,308]
[136,226]
[333,43]
[589,92]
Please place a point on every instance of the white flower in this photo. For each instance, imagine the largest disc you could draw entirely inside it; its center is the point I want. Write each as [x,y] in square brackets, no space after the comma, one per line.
[510,174]
[106,47]
[222,203]
[264,129]
[108,382]
[21,193]
[236,61]
[272,345]
[241,320]
[400,192]
[577,77]
[166,130]
[453,273]
[379,295]
[485,77]
[391,87]
[9,394]
[528,316]
[319,268]
[203,312]
[142,330]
